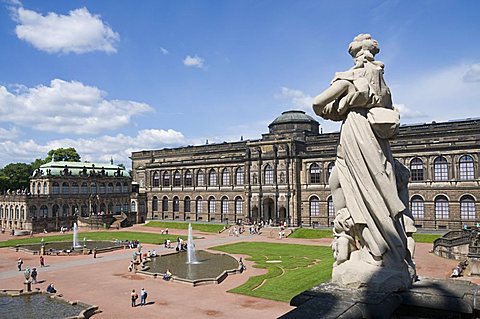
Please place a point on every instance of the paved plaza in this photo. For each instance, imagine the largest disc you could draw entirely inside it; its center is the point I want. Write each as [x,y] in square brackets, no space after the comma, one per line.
[107,283]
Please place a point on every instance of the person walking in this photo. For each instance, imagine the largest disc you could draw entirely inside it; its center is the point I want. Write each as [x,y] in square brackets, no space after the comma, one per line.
[34,275]
[143,297]
[19,264]
[94,252]
[42,261]
[134,297]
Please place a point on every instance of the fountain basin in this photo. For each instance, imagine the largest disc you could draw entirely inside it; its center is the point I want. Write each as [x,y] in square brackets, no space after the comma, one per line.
[210,268]
[65,247]
[41,305]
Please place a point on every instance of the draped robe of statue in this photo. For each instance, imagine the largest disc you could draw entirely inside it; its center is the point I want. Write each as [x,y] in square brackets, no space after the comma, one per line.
[369,211]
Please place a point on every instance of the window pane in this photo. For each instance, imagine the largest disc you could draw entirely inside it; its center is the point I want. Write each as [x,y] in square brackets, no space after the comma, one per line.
[467,208]
[441,208]
[440,169]
[314,206]
[416,170]
[314,174]
[467,170]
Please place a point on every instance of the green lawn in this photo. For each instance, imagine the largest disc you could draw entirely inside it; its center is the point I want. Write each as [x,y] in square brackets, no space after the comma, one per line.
[301,268]
[309,233]
[425,238]
[147,238]
[208,228]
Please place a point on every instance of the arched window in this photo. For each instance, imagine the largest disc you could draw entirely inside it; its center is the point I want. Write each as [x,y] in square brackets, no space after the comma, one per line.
[177,179]
[330,207]
[101,188]
[84,188]
[166,179]
[32,211]
[199,205]
[22,213]
[75,209]
[65,210]
[186,205]
[211,205]
[176,204]
[268,175]
[110,188]
[314,174]
[55,210]
[212,177]
[45,187]
[155,204]
[74,188]
[224,205]
[43,211]
[118,187]
[65,188]
[226,177]
[93,188]
[441,207]
[55,188]
[416,169]
[200,178]
[134,206]
[314,206]
[238,205]
[156,179]
[330,167]
[188,178]
[239,177]
[440,169]
[467,208]
[17,213]
[34,188]
[417,207]
[165,204]
[125,187]
[39,188]
[467,167]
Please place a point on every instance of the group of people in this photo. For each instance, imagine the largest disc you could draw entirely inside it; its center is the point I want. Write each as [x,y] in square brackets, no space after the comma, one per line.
[131,244]
[457,271]
[143,297]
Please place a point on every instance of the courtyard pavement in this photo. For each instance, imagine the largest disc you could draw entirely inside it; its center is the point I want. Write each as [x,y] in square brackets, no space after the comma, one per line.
[106,282]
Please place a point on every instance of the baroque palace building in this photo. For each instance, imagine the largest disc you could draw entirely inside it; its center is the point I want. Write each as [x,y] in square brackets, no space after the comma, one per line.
[284,176]
[64,192]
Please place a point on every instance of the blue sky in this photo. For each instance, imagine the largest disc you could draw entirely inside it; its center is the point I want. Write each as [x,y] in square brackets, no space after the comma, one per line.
[111,77]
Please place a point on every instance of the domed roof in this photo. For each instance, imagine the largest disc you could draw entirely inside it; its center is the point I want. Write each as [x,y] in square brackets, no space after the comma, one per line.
[294,122]
[293,116]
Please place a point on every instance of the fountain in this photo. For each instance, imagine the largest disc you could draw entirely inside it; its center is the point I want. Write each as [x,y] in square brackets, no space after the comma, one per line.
[75,236]
[191,255]
[193,266]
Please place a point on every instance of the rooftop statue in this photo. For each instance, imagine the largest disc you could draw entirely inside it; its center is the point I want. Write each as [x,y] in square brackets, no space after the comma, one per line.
[372,226]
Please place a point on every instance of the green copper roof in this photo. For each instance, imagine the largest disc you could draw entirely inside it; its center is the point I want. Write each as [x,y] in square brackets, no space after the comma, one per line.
[79,169]
[293,116]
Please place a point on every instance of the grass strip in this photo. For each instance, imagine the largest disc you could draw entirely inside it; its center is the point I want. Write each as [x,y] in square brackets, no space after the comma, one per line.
[295,268]
[208,228]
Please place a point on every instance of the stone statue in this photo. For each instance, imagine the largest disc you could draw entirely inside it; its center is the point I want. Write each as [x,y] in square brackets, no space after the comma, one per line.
[370,241]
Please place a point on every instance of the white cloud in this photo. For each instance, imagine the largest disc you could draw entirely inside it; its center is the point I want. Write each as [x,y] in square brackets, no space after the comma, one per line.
[164,51]
[77,32]
[7,134]
[441,95]
[194,61]
[473,73]
[100,149]
[407,113]
[297,98]
[66,107]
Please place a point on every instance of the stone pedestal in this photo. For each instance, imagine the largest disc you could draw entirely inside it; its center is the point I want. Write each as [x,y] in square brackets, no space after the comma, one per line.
[28,285]
[428,298]
[42,250]
[357,273]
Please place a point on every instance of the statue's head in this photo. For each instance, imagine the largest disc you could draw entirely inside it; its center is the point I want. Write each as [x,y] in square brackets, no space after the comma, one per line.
[363,46]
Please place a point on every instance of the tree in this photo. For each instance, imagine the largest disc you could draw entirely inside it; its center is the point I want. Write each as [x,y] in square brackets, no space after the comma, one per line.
[15,176]
[63,154]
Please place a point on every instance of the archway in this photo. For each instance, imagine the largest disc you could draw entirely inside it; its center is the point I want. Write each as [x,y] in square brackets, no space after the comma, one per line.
[268,210]
[255,213]
[282,214]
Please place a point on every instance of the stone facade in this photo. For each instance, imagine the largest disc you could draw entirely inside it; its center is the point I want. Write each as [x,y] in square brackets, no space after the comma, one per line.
[284,175]
[62,192]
